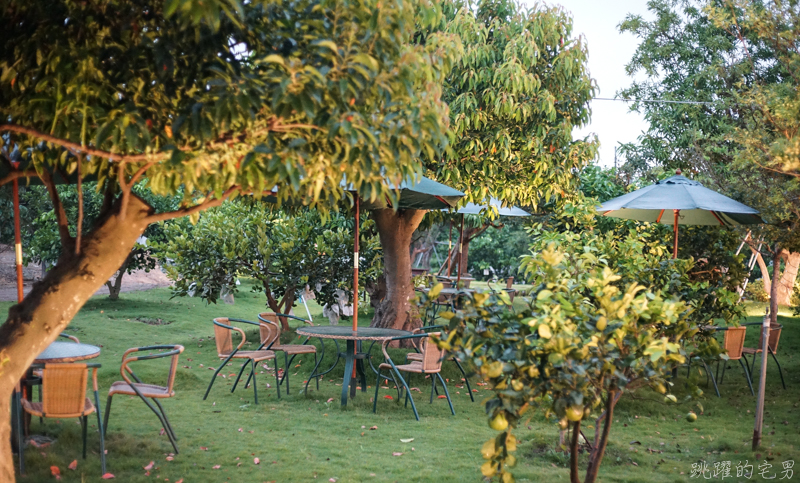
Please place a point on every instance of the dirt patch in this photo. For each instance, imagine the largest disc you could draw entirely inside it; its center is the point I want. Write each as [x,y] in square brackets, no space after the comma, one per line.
[138,280]
[153,321]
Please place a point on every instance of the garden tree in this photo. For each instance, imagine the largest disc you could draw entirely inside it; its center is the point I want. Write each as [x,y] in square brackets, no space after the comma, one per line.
[41,242]
[515,95]
[584,340]
[282,253]
[209,98]
[738,61]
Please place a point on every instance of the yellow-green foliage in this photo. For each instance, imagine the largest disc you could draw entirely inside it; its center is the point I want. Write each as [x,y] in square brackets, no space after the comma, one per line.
[583,336]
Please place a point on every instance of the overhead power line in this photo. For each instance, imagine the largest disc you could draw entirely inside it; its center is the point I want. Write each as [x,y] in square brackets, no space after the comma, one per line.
[660,101]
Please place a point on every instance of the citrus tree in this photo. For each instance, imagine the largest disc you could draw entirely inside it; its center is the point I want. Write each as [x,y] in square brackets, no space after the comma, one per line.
[585,339]
[282,253]
[210,99]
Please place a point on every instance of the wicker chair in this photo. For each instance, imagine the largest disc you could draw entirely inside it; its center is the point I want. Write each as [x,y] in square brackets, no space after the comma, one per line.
[35,379]
[734,343]
[144,391]
[271,337]
[417,357]
[430,363]
[226,351]
[64,396]
[772,347]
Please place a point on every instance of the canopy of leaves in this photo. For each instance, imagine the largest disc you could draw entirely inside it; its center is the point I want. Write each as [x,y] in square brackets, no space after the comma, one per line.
[515,95]
[739,61]
[282,253]
[205,97]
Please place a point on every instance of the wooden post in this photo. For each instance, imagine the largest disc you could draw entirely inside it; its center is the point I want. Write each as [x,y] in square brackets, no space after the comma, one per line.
[771,316]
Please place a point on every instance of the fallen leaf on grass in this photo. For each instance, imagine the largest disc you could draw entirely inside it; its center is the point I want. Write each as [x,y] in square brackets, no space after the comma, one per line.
[179,481]
[415,389]
[162,432]
[397,454]
[388,397]
[170,458]
[373,428]
[55,472]
[256,461]
[330,400]
[149,466]
[216,467]
[407,440]
[204,448]
[240,430]
[108,476]
[74,465]
[442,396]
[332,480]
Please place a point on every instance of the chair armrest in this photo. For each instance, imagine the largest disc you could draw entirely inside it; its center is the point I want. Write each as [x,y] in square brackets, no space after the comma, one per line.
[305,321]
[70,337]
[176,349]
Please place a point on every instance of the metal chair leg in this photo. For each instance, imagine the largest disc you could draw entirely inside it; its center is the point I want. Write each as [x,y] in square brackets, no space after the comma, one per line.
[20,436]
[466,378]
[711,375]
[447,394]
[375,399]
[236,382]
[780,371]
[747,375]
[214,377]
[166,420]
[724,366]
[408,394]
[433,388]
[84,427]
[101,430]
[108,413]
[277,378]
[255,386]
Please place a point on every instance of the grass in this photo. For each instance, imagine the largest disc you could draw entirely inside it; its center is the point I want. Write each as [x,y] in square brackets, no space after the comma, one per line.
[302,438]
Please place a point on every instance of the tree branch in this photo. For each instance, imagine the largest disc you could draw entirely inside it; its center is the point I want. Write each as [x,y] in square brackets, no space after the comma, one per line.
[58,208]
[77,148]
[28,173]
[194,209]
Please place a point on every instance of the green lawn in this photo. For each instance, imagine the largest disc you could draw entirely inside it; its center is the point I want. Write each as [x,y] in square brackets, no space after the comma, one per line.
[302,438]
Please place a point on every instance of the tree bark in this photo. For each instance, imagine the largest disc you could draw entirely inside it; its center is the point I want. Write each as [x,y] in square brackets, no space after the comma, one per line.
[52,303]
[788,277]
[115,288]
[600,448]
[573,453]
[395,229]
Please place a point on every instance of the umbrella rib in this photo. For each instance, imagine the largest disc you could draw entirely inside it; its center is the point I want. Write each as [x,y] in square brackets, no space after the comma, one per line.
[658,220]
[717,217]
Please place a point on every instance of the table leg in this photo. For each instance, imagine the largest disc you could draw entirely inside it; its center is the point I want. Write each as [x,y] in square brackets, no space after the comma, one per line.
[360,369]
[348,371]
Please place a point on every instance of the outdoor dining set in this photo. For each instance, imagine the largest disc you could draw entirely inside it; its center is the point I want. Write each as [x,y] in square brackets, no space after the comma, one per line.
[61,372]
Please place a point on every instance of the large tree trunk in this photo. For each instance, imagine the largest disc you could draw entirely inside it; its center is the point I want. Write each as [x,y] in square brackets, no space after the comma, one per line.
[395,230]
[786,284]
[52,303]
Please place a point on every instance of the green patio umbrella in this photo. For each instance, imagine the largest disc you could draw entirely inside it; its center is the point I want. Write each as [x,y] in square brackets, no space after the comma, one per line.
[494,205]
[690,202]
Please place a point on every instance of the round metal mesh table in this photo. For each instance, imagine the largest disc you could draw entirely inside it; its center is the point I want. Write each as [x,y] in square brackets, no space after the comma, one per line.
[67,352]
[344,332]
[353,356]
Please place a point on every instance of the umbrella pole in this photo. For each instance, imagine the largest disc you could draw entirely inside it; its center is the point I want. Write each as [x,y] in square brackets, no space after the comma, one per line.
[675,241]
[355,269]
[460,251]
[17,242]
[450,250]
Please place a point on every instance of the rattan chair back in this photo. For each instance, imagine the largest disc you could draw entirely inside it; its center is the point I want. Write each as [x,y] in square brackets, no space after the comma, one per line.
[431,354]
[64,390]
[734,342]
[774,338]
[270,329]
[223,337]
